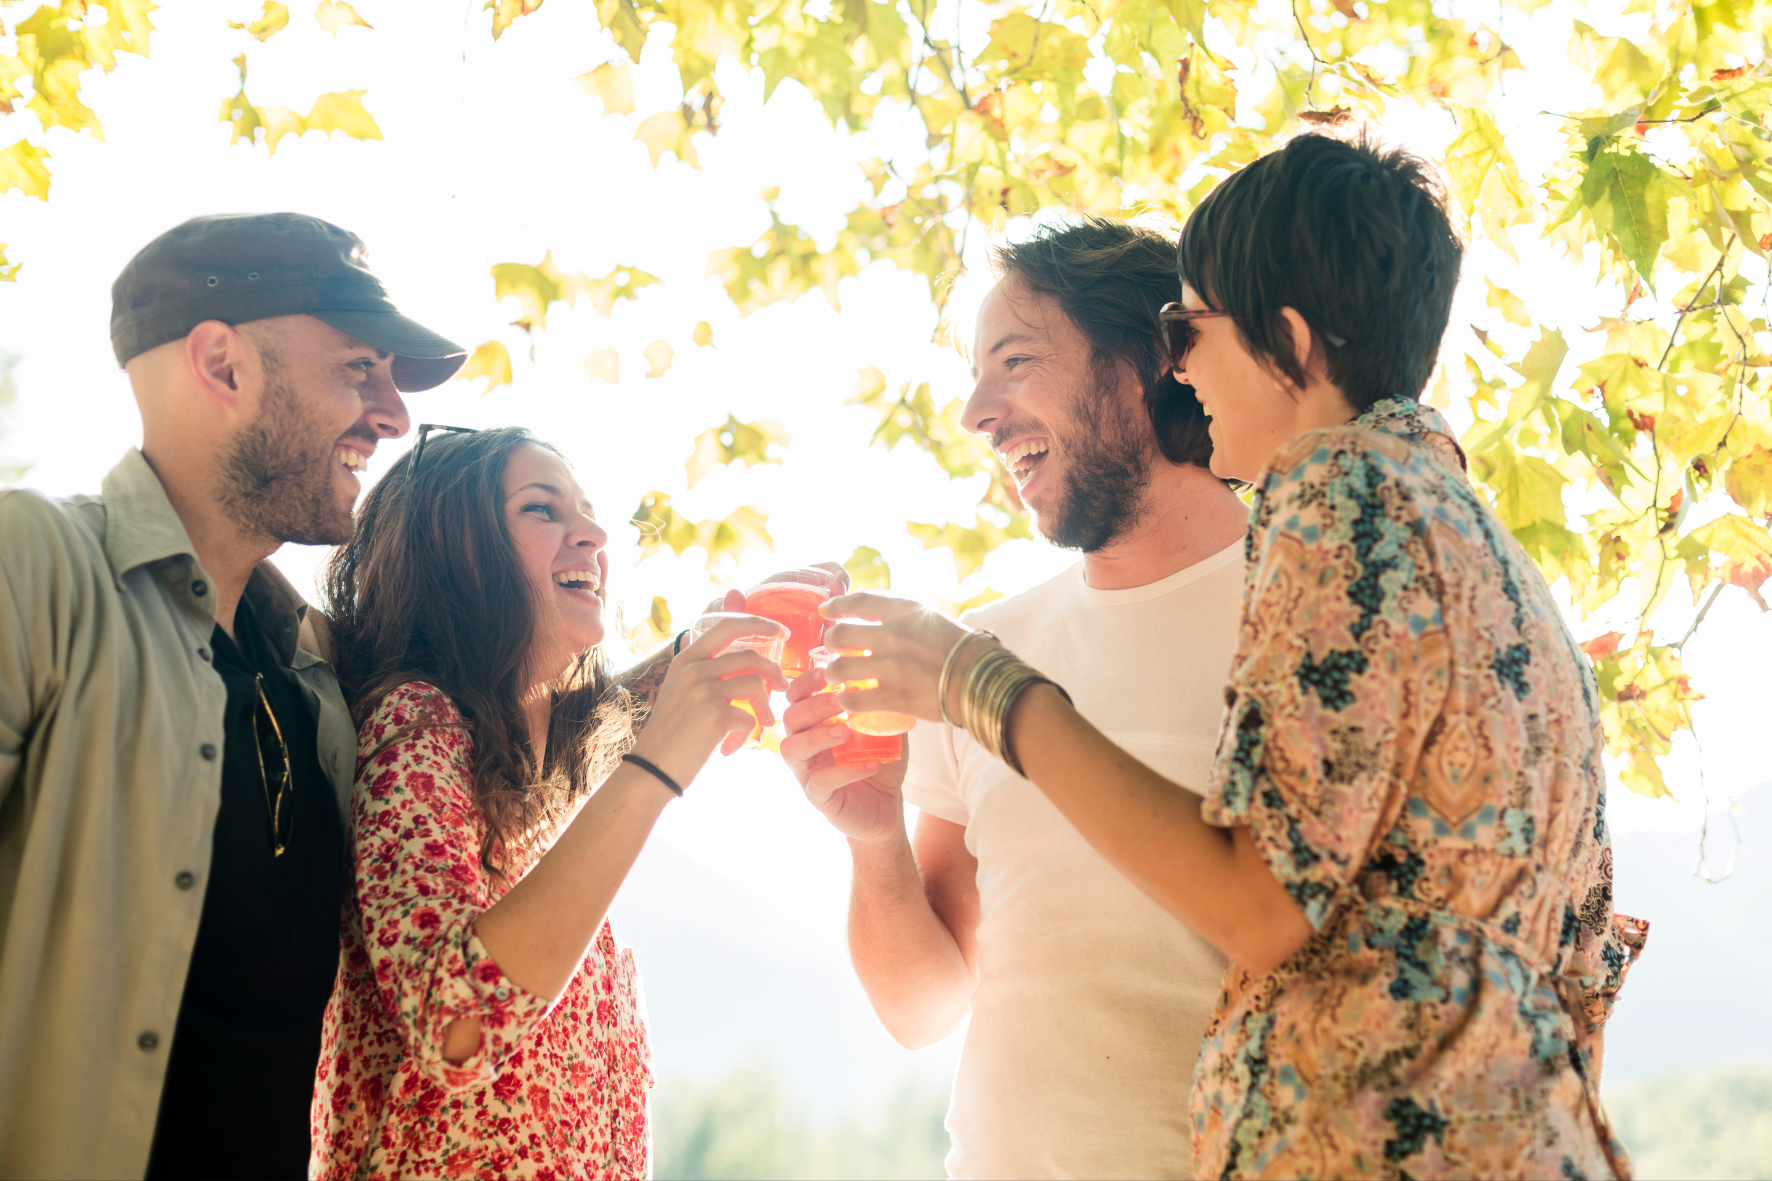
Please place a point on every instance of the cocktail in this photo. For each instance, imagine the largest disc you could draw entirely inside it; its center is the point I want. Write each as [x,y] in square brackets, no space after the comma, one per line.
[792,598]
[876,735]
[769,646]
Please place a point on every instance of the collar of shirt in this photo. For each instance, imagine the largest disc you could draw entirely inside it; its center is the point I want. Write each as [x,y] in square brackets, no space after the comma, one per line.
[1409,419]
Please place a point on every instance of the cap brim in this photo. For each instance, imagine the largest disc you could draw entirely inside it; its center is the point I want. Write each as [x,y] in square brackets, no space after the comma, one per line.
[422,359]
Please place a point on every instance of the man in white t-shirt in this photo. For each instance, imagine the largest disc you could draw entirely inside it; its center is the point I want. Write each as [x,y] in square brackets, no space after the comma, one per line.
[1087,1000]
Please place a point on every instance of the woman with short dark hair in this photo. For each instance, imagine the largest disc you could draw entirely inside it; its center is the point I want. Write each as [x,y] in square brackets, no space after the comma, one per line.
[485,1021]
[1402,846]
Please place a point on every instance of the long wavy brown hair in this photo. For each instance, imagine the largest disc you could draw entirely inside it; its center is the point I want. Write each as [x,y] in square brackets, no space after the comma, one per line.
[429,588]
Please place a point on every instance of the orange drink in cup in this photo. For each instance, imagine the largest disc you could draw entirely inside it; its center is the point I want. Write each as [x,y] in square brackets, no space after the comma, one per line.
[876,735]
[792,598]
[769,646]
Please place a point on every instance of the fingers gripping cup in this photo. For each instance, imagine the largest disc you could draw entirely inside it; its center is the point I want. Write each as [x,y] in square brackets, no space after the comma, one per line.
[877,735]
[770,647]
[792,598]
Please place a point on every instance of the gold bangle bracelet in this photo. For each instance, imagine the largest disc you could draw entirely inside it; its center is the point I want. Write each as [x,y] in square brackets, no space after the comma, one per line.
[947,672]
[993,684]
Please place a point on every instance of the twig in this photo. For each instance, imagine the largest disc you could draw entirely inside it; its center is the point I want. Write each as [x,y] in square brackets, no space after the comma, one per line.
[1675,332]
[1699,618]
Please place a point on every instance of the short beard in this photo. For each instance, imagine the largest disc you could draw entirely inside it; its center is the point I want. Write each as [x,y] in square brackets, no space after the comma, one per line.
[1110,469]
[277,478]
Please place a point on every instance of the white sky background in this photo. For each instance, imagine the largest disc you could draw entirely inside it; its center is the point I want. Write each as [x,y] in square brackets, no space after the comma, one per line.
[494,155]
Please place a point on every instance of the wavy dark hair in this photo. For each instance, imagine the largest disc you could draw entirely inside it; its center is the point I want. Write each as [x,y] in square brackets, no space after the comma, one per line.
[1112,278]
[429,588]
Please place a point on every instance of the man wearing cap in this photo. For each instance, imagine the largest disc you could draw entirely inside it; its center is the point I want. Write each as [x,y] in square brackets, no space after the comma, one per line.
[175,757]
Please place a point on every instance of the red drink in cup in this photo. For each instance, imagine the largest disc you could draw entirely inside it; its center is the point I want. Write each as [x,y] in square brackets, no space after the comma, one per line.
[769,646]
[876,735]
[792,599]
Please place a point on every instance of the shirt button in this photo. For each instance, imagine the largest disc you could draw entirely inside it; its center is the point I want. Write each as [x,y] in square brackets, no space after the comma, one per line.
[185,879]
[203,652]
[502,993]
[207,750]
[199,588]
[149,1040]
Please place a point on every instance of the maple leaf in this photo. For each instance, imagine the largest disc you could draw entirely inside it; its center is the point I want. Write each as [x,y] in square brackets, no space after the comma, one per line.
[22,168]
[868,570]
[491,361]
[735,442]
[506,11]
[1748,480]
[8,269]
[658,356]
[273,20]
[333,15]
[1627,196]
[604,365]
[614,84]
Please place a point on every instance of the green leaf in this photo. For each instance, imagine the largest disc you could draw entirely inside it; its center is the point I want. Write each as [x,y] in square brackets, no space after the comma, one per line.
[1748,479]
[1512,308]
[735,442]
[868,570]
[969,545]
[724,540]
[1539,367]
[1627,196]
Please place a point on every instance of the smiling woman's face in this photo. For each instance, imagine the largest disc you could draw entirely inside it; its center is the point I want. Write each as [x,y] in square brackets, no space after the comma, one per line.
[561,549]
[1252,411]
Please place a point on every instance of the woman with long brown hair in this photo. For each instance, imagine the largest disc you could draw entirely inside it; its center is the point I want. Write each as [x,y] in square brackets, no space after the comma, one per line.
[485,1020]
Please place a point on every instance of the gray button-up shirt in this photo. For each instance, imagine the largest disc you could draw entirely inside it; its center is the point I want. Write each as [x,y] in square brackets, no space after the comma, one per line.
[110,780]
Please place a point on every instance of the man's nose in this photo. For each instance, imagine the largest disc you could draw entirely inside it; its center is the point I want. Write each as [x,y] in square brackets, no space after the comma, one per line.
[384,410]
[983,409]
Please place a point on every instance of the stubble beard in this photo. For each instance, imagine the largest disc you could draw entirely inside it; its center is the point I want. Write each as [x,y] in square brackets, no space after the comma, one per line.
[1110,453]
[277,477]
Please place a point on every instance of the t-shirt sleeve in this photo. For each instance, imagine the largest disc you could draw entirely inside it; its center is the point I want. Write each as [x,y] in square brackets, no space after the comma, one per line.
[1331,688]
[932,776]
[420,887]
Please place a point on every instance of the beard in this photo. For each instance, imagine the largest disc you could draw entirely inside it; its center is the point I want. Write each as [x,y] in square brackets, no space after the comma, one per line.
[1110,453]
[277,477]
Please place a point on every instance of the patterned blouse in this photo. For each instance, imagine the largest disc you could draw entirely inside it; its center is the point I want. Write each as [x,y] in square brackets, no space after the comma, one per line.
[556,1089]
[1413,739]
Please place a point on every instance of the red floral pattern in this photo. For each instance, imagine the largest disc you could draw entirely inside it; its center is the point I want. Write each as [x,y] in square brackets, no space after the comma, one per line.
[556,1089]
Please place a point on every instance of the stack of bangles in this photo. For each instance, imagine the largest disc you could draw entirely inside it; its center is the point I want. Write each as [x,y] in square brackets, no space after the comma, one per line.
[996,679]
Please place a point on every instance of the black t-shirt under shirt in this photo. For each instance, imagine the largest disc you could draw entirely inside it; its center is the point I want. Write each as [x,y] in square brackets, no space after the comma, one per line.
[247,1044]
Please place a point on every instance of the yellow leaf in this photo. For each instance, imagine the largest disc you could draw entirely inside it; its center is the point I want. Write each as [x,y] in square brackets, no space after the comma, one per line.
[1749,481]
[506,11]
[1512,308]
[734,442]
[658,355]
[8,270]
[667,132]
[343,111]
[613,84]
[333,15]
[491,361]
[703,335]
[273,20]
[604,365]
[21,168]
[868,570]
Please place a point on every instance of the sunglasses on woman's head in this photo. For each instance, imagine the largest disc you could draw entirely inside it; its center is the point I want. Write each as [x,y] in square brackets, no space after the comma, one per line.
[1177,326]
[424,433]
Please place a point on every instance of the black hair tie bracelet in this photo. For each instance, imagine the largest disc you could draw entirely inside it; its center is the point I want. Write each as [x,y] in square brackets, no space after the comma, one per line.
[652,770]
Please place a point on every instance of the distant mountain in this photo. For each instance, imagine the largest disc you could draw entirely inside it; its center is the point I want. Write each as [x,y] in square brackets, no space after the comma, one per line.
[1697,998]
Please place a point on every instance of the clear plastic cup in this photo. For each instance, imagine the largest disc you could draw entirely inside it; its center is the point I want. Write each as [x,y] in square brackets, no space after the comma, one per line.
[770,647]
[876,736]
[792,598]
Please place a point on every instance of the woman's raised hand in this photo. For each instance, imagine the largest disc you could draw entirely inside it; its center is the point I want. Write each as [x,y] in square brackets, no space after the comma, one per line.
[693,711]
[909,644]
[861,800]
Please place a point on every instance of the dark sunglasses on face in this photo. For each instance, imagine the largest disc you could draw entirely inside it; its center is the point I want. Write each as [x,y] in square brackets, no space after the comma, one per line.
[1177,325]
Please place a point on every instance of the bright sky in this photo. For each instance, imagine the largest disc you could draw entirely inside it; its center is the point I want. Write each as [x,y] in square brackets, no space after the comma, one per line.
[494,155]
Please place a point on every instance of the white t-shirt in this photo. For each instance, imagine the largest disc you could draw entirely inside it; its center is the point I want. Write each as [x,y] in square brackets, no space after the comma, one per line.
[1091,998]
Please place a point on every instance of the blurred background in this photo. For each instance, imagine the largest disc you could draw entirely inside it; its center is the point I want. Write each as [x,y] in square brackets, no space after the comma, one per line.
[490,152]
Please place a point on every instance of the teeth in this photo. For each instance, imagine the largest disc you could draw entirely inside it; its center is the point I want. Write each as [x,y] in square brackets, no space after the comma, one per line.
[351,459]
[1022,450]
[578,579]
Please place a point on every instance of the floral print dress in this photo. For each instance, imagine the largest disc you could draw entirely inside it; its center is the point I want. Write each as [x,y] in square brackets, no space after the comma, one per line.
[556,1089]
[1413,739]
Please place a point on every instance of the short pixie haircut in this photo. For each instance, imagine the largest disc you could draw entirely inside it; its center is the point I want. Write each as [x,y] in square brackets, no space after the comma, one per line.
[1354,238]
[1111,279]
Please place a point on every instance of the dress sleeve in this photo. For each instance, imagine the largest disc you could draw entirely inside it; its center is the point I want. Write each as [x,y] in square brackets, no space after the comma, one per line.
[1341,665]
[420,888]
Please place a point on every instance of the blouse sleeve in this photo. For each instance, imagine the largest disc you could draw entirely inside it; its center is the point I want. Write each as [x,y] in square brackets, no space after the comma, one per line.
[1341,665]
[420,888]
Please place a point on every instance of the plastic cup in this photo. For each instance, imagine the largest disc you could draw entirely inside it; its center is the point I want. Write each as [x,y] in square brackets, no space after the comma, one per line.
[876,736]
[769,646]
[792,598]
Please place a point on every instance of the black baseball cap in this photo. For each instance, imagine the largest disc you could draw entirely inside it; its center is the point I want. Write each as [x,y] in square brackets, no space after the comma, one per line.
[238,267]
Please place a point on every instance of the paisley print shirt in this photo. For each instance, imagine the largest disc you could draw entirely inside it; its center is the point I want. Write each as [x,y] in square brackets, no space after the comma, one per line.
[1413,739]
[556,1089]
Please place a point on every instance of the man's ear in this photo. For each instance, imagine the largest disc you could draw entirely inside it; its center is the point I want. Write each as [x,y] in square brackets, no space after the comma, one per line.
[218,356]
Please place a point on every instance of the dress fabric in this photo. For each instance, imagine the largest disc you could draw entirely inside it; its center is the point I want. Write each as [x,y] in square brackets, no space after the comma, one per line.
[1413,739]
[555,1089]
